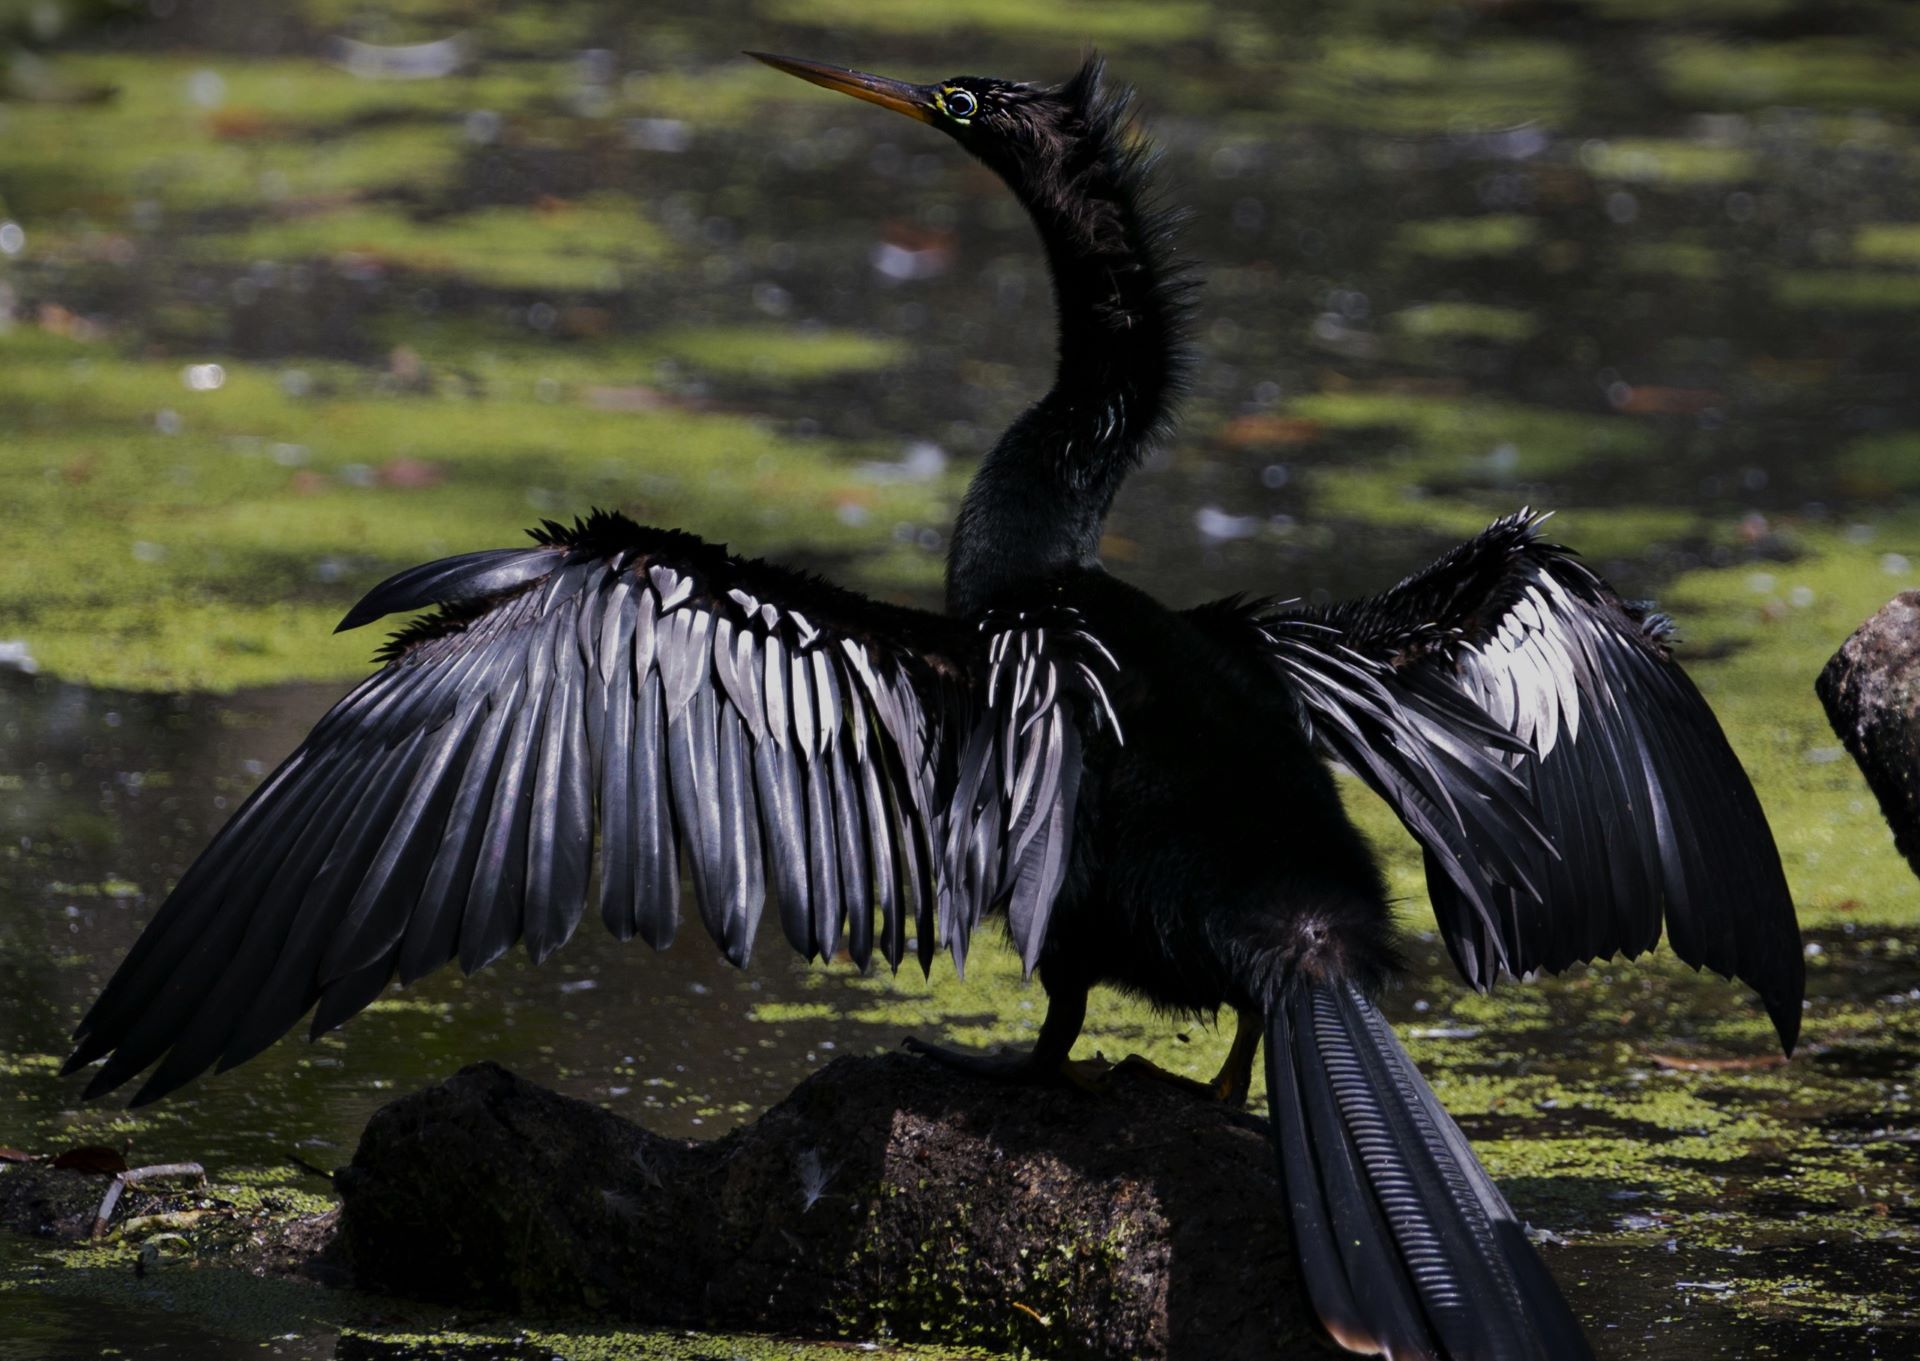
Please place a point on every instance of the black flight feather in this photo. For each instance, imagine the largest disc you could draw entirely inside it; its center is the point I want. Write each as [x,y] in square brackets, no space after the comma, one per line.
[1625,808]
[771,728]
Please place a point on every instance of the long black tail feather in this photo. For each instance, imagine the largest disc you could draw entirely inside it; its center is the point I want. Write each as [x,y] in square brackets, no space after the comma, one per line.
[1407,1248]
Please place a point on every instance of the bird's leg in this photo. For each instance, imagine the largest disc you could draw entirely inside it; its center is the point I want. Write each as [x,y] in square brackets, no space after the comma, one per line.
[1235,1078]
[1047,1061]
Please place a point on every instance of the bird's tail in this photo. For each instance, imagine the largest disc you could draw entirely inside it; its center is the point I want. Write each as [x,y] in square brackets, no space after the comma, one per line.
[1406,1246]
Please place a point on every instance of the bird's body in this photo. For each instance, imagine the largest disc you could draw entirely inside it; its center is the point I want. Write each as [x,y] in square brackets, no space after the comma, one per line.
[1143,791]
[1211,837]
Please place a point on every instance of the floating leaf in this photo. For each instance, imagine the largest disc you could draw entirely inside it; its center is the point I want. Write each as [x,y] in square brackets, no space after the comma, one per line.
[96,1158]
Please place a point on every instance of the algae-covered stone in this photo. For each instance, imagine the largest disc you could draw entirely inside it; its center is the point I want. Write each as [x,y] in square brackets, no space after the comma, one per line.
[885,1195]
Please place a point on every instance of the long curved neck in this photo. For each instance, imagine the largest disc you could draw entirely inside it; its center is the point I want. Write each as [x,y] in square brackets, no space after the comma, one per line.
[1037,503]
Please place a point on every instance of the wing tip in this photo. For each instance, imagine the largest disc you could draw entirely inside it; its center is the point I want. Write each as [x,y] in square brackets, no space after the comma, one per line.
[359,616]
[1785,1013]
[102,1083]
[461,578]
[161,1084]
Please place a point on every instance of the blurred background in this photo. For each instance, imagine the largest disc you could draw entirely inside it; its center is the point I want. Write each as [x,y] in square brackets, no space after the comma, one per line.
[296,294]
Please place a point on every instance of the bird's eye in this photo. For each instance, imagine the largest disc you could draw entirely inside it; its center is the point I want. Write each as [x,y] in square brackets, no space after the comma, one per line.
[960,103]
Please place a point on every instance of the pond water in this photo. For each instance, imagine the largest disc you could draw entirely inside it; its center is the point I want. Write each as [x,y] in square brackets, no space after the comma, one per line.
[271,326]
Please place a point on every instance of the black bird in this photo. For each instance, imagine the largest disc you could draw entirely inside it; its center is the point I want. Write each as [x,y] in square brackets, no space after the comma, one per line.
[1143,791]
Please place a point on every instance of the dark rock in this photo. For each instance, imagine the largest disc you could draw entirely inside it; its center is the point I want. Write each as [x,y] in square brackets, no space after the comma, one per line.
[885,1196]
[1871,690]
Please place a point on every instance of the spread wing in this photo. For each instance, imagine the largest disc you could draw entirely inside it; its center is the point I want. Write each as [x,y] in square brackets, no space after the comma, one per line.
[1570,787]
[877,772]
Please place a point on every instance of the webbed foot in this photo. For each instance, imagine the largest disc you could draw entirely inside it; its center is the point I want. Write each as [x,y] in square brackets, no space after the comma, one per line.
[1230,1085]
[1139,1065]
[1022,1066]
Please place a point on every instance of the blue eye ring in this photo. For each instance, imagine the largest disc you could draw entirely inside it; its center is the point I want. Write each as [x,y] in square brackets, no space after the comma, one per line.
[959,104]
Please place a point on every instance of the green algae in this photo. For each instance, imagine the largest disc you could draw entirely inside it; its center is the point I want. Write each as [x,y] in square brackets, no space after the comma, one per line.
[1700,11]
[1465,321]
[1392,497]
[207,535]
[1384,496]
[1854,290]
[1837,72]
[1690,260]
[994,1005]
[1880,465]
[212,647]
[589,245]
[1888,243]
[730,96]
[614,1344]
[1576,1118]
[785,1013]
[227,1303]
[232,1303]
[25,1065]
[1461,238]
[210,539]
[1670,161]
[1771,628]
[1480,439]
[201,130]
[777,354]
[1390,87]
[1110,22]
[636,371]
[1387,498]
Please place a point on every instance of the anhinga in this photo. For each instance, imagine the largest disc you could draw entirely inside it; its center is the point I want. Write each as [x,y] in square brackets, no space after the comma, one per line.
[1144,791]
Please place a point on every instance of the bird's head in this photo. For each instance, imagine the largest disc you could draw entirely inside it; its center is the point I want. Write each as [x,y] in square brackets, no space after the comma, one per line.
[1041,139]
[979,112]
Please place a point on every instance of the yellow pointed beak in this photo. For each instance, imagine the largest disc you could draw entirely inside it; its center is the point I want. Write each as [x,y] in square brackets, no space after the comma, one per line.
[915,101]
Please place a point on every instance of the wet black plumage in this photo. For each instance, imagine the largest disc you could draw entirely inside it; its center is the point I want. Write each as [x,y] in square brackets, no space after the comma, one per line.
[1143,792]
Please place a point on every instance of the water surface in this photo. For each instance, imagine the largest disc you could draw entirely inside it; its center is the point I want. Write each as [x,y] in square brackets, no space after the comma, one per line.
[270,327]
